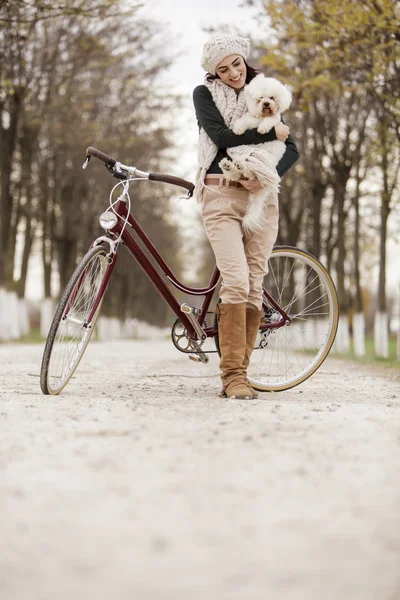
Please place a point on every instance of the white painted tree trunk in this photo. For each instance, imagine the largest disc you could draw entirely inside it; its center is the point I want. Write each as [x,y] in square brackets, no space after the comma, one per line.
[359,334]
[130,329]
[4,328]
[107,329]
[23,316]
[309,335]
[14,320]
[381,335]
[342,341]
[296,335]
[13,316]
[100,332]
[115,328]
[47,308]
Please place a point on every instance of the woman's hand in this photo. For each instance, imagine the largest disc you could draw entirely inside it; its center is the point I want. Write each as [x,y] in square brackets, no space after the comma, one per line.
[282,131]
[253,185]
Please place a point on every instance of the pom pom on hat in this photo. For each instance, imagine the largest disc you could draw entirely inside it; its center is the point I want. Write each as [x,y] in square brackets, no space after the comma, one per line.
[221,45]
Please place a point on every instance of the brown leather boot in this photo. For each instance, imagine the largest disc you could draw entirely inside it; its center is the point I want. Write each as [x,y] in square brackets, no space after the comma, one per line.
[232,343]
[253,318]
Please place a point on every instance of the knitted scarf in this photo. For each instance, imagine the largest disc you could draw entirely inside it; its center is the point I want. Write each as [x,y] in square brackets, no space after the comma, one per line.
[231,106]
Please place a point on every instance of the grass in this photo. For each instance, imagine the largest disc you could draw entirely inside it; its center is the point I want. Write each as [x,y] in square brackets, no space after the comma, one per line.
[370,357]
[33,337]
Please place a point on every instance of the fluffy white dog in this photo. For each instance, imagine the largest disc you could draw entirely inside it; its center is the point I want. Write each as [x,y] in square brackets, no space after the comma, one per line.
[266,98]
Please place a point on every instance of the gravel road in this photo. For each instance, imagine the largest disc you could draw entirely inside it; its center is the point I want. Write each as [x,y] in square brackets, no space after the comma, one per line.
[139,483]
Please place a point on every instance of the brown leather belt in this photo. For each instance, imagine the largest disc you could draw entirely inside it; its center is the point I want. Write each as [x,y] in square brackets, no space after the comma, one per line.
[215,180]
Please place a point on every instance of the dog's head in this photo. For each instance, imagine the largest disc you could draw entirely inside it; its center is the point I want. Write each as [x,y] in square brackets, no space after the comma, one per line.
[266,96]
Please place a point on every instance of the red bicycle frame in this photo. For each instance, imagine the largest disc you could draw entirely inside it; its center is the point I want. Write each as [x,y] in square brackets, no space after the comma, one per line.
[121,210]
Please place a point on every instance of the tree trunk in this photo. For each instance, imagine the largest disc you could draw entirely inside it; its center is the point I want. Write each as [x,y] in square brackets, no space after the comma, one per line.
[384,214]
[342,173]
[48,230]
[9,140]
[358,302]
[385,210]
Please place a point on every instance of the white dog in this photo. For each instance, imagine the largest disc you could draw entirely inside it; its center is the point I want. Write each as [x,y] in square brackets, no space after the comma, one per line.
[266,98]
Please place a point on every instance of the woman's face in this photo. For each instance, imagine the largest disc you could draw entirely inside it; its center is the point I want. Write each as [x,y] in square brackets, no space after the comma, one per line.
[232,70]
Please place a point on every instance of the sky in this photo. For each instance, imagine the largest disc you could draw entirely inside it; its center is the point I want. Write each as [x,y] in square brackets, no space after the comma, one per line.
[185,20]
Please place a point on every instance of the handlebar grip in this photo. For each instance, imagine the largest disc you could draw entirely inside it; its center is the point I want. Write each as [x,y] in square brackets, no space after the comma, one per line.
[171,179]
[108,160]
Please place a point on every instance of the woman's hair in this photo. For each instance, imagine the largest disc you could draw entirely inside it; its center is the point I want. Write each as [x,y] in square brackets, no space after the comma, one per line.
[251,72]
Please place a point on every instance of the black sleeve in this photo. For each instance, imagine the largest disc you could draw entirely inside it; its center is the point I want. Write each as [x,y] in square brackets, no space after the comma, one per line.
[289,158]
[211,120]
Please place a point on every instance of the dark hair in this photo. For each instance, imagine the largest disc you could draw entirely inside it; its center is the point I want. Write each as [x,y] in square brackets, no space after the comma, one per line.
[251,72]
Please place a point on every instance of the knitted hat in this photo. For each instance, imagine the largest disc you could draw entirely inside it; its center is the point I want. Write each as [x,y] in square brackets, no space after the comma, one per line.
[221,45]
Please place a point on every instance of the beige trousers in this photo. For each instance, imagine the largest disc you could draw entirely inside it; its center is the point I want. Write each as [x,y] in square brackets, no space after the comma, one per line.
[242,259]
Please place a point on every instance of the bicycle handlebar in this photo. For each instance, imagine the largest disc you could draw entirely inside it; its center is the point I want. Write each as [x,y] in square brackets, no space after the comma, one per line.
[172,179]
[107,160]
[111,162]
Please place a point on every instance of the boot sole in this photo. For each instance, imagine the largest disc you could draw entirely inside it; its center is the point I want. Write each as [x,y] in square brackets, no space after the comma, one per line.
[248,397]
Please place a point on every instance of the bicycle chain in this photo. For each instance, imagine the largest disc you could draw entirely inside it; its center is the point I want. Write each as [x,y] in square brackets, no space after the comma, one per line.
[193,351]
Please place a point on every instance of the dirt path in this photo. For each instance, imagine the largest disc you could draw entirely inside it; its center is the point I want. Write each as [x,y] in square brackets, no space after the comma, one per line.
[139,483]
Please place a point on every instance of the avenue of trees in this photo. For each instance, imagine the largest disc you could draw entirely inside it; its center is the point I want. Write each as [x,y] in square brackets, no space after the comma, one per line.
[73,74]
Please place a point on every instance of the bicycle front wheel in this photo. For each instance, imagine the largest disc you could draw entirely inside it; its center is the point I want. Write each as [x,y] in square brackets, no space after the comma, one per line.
[286,356]
[72,324]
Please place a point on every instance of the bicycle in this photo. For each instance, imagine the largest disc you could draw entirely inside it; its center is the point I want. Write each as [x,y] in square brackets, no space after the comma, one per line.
[300,302]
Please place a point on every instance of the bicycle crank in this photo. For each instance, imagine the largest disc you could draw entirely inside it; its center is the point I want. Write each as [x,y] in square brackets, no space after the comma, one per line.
[184,343]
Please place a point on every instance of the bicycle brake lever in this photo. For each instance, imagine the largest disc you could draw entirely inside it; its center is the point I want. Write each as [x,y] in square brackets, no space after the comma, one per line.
[187,197]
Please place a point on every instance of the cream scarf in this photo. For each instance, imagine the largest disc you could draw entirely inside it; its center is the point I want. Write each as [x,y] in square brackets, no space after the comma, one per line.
[231,106]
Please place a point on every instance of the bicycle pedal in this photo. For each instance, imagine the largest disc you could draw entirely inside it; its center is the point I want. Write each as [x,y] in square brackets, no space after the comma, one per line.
[190,309]
[194,357]
[200,357]
[191,313]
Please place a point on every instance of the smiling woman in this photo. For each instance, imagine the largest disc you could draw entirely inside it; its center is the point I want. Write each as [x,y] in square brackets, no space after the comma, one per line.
[232,71]
[241,255]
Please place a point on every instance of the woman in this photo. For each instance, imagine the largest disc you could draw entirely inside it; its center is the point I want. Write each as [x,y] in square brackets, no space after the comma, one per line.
[241,258]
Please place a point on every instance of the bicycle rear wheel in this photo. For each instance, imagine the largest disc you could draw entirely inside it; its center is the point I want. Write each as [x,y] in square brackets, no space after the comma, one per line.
[288,355]
[71,330]
[285,356]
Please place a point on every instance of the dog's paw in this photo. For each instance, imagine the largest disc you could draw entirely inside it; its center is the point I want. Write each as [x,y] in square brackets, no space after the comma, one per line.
[239,126]
[263,128]
[226,165]
[229,169]
[239,129]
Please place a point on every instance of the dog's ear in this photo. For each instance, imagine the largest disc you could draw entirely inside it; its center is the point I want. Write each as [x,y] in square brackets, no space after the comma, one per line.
[252,88]
[284,97]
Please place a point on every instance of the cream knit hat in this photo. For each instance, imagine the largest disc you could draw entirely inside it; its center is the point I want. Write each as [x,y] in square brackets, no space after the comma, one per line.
[221,45]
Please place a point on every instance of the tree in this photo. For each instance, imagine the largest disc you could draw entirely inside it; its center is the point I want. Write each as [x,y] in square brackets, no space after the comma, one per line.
[342,61]
[73,76]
